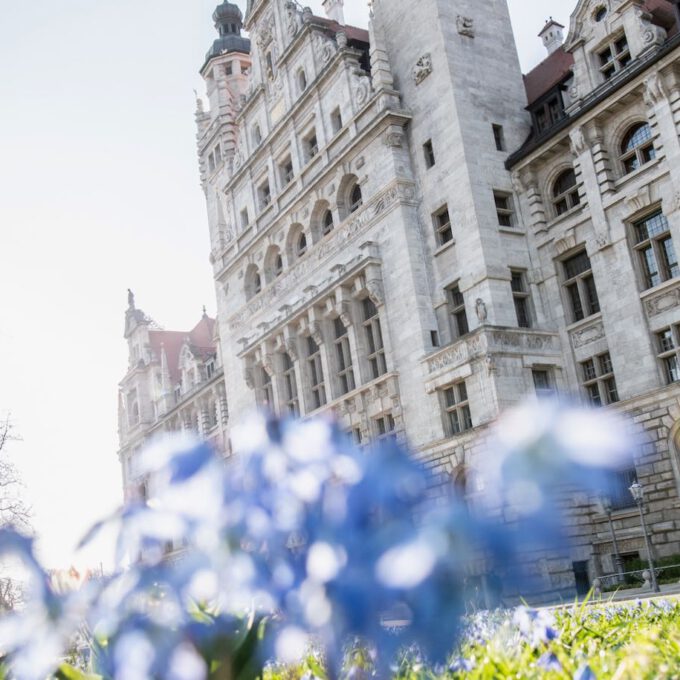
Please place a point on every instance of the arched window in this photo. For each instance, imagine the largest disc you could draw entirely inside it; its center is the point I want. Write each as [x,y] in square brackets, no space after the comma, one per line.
[301,80]
[301,245]
[257,134]
[637,147]
[355,198]
[278,266]
[327,223]
[273,264]
[253,282]
[565,192]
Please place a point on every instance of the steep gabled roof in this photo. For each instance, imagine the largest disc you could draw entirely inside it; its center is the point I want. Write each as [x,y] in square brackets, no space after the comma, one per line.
[549,73]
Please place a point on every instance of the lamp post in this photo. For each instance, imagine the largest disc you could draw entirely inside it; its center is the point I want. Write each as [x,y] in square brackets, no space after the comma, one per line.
[606,507]
[638,494]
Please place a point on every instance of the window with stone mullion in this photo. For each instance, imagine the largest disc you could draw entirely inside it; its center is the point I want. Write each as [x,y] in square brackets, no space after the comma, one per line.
[265,389]
[656,252]
[375,348]
[315,375]
[668,348]
[291,401]
[456,407]
[580,287]
[343,357]
[598,379]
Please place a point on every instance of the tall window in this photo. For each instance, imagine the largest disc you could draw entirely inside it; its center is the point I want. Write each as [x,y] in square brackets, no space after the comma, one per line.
[614,57]
[317,385]
[266,392]
[327,223]
[428,153]
[301,80]
[654,245]
[343,356]
[637,147]
[504,210]
[244,218]
[668,348]
[498,137]
[374,339]
[442,225]
[291,402]
[278,265]
[311,146]
[579,285]
[301,245]
[336,120]
[598,380]
[565,192]
[520,296]
[619,488]
[457,409]
[543,384]
[355,198]
[458,315]
[264,195]
[286,171]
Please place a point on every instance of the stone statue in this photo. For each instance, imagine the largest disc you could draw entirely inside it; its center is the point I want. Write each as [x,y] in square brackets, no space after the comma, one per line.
[131,299]
[480,306]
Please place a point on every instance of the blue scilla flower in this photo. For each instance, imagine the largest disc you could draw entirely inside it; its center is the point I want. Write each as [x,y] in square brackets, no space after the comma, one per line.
[549,662]
[585,672]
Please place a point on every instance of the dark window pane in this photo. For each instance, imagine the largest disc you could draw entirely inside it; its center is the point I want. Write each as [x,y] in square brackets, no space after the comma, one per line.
[591,292]
[575,299]
[578,264]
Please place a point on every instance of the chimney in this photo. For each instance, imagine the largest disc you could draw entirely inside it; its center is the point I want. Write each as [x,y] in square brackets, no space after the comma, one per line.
[552,35]
[334,11]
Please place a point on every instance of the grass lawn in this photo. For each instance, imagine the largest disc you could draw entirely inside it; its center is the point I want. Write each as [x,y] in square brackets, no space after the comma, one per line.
[629,640]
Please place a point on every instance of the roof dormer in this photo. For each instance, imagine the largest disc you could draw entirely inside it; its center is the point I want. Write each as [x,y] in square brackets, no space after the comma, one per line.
[606,38]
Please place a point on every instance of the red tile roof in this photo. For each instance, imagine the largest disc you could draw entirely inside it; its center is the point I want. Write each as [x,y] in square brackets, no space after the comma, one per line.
[556,67]
[200,341]
[352,32]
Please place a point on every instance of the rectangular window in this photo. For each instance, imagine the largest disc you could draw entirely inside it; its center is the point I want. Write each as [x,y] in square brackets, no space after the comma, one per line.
[619,488]
[385,427]
[457,417]
[442,226]
[311,146]
[614,57]
[543,384]
[244,218]
[498,137]
[374,339]
[668,354]
[343,357]
[428,153]
[457,314]
[210,369]
[286,171]
[656,252]
[290,392]
[579,285]
[598,380]
[520,296]
[504,210]
[228,69]
[264,195]
[315,374]
[357,437]
[265,395]
[336,121]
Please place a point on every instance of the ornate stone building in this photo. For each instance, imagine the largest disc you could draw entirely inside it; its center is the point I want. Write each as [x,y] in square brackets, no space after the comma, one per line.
[409,234]
[174,382]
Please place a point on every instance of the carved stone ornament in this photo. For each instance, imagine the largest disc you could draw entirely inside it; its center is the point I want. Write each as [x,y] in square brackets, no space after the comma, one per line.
[291,348]
[586,336]
[654,91]
[265,33]
[465,26]
[394,139]
[376,292]
[662,303]
[480,308]
[578,140]
[293,19]
[341,39]
[268,364]
[325,48]
[423,68]
[652,35]
[315,332]
[362,91]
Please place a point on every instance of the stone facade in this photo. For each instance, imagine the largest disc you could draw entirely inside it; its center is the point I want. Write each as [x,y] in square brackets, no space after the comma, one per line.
[399,240]
[174,383]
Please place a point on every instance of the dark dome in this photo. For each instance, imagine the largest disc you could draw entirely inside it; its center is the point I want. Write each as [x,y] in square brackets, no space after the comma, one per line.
[228,22]
[228,16]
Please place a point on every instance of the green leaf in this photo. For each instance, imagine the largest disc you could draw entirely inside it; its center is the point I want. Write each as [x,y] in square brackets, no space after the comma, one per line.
[68,672]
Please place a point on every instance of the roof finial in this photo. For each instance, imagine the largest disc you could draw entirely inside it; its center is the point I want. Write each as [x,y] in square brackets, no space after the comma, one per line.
[205,312]
[131,299]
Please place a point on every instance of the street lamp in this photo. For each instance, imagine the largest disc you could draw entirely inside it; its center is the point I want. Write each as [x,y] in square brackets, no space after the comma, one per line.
[606,507]
[638,494]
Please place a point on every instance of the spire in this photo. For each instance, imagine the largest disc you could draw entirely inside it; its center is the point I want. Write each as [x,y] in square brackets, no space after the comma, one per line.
[134,317]
[205,312]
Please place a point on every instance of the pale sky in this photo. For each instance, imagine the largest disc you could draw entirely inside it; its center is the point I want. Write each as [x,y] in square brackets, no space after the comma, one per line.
[99,191]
